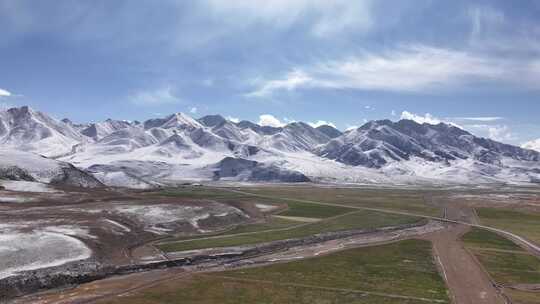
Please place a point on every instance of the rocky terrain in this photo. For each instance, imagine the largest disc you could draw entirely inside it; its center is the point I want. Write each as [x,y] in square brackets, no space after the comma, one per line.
[179,148]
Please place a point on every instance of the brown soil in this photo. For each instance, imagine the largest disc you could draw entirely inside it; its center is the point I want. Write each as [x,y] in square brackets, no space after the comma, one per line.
[466,279]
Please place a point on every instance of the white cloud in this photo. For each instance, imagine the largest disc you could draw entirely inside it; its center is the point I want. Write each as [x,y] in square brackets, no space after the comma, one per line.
[159,96]
[319,123]
[500,133]
[393,113]
[413,68]
[481,118]
[292,80]
[270,120]
[193,110]
[323,18]
[533,145]
[426,118]
[233,119]
[349,128]
[495,132]
[4,93]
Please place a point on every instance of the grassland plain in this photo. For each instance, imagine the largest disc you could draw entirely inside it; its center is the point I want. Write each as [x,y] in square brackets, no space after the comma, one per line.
[508,264]
[525,224]
[361,219]
[294,209]
[413,201]
[391,199]
[271,223]
[522,297]
[401,272]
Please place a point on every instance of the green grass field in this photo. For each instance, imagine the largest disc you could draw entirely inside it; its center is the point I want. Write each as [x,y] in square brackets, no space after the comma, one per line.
[271,223]
[522,297]
[412,201]
[392,199]
[526,224]
[357,220]
[507,263]
[484,239]
[404,269]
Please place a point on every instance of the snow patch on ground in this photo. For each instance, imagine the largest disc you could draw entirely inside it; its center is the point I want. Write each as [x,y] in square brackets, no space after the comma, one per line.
[121,179]
[265,208]
[117,228]
[71,230]
[156,217]
[16,199]
[38,249]
[24,186]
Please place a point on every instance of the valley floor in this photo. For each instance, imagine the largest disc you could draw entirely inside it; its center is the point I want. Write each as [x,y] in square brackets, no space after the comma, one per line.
[334,245]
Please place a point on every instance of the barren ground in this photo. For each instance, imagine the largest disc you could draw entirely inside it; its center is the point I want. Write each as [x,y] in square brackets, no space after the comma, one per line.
[466,279]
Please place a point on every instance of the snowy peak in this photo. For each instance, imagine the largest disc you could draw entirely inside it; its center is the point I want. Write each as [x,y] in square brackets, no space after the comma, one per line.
[302,136]
[329,131]
[212,120]
[35,131]
[101,129]
[378,143]
[180,146]
[177,120]
[180,120]
[262,130]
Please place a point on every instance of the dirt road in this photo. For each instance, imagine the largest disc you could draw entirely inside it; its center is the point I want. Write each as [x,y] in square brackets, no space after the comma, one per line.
[467,281]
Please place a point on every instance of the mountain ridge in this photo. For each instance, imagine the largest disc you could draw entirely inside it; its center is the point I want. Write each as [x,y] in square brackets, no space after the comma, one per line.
[208,148]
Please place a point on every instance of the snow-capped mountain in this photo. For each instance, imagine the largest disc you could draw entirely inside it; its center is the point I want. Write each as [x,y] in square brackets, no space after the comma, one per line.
[379,143]
[25,129]
[178,147]
[25,166]
[329,131]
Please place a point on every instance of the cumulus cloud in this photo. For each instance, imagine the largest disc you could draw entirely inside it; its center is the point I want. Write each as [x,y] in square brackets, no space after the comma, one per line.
[4,93]
[500,133]
[496,132]
[412,68]
[533,145]
[319,123]
[270,120]
[233,119]
[421,119]
[193,110]
[160,96]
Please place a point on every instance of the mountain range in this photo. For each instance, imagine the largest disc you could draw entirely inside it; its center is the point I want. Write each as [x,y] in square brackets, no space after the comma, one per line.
[179,148]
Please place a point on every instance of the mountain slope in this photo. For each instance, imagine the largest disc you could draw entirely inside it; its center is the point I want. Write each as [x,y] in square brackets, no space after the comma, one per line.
[379,143]
[24,166]
[329,131]
[178,147]
[26,129]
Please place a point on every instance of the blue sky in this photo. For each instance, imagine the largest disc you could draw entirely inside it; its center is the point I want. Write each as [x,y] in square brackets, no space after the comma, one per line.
[473,63]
